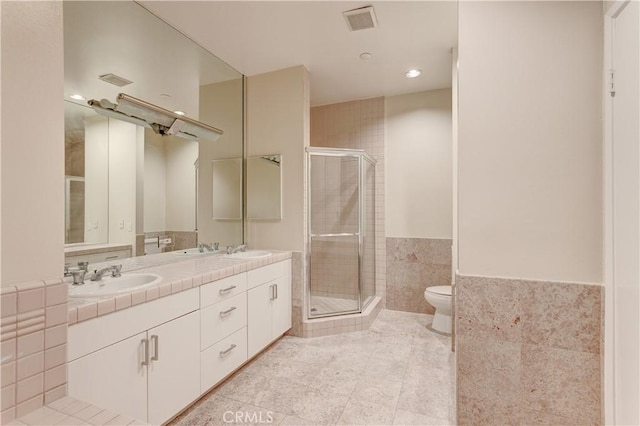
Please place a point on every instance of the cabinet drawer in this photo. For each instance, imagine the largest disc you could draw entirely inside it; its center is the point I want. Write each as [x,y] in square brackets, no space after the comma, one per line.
[223,289]
[97,257]
[220,320]
[255,277]
[222,358]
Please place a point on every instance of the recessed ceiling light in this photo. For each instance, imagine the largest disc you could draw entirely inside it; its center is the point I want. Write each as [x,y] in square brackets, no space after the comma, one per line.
[77,97]
[180,112]
[365,56]
[413,73]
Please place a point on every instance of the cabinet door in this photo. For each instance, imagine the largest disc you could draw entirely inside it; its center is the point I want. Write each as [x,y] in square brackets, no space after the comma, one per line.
[281,314]
[259,318]
[113,378]
[174,368]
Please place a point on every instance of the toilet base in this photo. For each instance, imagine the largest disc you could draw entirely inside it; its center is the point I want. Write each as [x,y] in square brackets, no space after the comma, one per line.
[441,323]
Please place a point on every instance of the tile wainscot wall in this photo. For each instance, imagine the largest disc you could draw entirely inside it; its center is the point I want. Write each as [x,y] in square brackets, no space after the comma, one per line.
[413,264]
[528,352]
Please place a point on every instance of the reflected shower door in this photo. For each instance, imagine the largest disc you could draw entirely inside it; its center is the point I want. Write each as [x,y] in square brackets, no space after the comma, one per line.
[334,191]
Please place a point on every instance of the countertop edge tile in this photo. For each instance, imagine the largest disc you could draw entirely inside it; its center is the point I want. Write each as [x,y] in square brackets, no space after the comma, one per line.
[183,276]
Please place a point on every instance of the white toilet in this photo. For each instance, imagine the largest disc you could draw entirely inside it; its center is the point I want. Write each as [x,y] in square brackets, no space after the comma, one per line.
[440,298]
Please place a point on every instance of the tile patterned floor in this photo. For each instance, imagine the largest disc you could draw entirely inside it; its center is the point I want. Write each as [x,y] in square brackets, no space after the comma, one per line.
[396,373]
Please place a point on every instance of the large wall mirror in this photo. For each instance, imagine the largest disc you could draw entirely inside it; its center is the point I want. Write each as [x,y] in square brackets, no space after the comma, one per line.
[128,185]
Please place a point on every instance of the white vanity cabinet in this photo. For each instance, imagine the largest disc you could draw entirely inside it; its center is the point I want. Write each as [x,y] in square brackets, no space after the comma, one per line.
[174,372]
[269,305]
[150,375]
[223,328]
[113,378]
[152,360]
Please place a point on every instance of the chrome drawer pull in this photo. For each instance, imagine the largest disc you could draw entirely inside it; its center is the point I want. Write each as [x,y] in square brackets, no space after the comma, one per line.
[226,352]
[227,290]
[156,354]
[145,342]
[228,311]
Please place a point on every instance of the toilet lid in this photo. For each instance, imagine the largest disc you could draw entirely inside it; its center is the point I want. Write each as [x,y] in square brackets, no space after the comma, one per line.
[445,290]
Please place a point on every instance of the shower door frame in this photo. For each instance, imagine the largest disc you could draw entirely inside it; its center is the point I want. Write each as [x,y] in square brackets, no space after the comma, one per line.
[362,156]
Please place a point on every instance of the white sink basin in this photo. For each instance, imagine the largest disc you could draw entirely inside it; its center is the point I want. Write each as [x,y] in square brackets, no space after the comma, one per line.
[110,286]
[249,254]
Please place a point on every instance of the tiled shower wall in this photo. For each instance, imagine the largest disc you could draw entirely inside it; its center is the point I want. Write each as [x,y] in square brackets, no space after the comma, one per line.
[358,125]
[34,346]
[413,264]
[528,352]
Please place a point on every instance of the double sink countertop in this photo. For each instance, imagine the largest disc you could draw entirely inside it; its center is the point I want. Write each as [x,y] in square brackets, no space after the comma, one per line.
[178,272]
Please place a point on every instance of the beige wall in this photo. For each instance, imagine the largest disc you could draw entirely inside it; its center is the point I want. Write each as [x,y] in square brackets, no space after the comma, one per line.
[220,106]
[418,164]
[123,150]
[181,184]
[32,138]
[530,179]
[278,123]
[155,183]
[96,185]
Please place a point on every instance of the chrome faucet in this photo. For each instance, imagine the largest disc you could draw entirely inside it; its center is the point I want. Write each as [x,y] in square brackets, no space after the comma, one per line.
[231,249]
[209,247]
[114,269]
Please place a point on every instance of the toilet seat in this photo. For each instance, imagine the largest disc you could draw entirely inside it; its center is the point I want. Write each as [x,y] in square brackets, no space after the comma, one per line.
[443,290]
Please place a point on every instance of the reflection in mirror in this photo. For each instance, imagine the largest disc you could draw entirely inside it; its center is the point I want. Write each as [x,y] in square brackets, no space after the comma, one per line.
[169,193]
[149,193]
[86,175]
[227,189]
[264,187]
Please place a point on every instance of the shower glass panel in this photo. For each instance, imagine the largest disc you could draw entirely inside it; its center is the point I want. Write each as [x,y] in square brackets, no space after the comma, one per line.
[368,236]
[341,246]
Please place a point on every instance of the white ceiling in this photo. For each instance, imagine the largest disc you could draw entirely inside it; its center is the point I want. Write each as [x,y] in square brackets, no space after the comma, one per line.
[261,36]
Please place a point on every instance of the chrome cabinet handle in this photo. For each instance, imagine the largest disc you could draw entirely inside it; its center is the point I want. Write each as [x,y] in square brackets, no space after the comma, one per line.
[228,311]
[272,293]
[227,290]
[226,352]
[145,360]
[276,287]
[156,354]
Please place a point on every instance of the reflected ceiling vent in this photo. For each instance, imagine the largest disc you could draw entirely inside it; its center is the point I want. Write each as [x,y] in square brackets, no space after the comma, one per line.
[360,19]
[115,79]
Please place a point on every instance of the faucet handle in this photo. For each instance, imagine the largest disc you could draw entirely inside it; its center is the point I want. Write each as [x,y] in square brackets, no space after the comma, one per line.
[84,266]
[216,246]
[78,276]
[116,271]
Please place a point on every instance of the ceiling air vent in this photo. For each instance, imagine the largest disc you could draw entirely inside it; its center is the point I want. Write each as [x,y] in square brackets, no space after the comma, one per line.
[361,18]
[115,79]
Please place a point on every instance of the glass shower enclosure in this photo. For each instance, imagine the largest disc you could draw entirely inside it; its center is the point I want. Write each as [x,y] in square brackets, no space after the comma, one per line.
[341,231]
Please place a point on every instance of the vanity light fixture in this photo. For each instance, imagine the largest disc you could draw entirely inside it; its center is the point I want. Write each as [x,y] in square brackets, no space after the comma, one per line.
[77,97]
[413,73]
[160,120]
